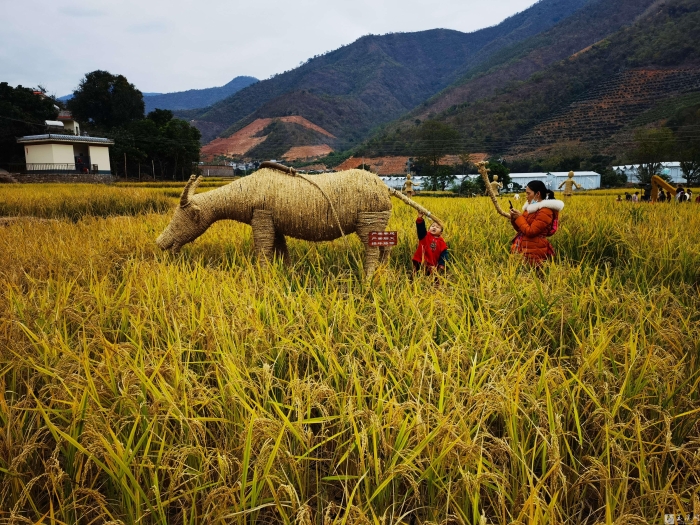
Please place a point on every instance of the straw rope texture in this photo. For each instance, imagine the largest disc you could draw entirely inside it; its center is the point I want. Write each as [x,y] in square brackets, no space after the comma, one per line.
[285,204]
[485,175]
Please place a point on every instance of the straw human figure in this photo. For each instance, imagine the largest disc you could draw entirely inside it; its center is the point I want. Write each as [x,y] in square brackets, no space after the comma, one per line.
[408,186]
[569,185]
[496,186]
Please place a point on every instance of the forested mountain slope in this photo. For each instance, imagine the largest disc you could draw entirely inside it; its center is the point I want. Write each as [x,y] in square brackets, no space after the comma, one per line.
[377,78]
[578,32]
[570,99]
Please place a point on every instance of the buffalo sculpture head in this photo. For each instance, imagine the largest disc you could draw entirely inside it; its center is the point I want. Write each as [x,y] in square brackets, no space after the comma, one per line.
[186,224]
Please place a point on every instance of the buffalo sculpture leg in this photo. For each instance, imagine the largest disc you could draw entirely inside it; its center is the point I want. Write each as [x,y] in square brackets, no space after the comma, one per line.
[263,235]
[280,248]
[268,242]
[372,222]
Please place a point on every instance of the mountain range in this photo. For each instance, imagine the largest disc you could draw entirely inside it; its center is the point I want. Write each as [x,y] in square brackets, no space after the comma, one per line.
[541,78]
[196,98]
[554,91]
[376,79]
[190,99]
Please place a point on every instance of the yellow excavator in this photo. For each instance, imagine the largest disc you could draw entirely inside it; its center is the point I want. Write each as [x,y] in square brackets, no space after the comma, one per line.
[656,183]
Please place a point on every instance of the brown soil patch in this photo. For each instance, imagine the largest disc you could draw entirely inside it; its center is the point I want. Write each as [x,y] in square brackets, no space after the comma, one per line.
[397,165]
[307,124]
[378,165]
[307,152]
[238,143]
[454,160]
[244,140]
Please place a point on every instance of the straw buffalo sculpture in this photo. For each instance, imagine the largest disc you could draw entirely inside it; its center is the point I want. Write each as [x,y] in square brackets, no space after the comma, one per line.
[279,203]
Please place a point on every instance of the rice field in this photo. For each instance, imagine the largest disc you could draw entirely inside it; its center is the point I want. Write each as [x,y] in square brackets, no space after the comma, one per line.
[138,387]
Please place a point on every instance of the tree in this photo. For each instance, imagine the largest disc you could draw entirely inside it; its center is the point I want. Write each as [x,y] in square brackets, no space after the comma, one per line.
[610,178]
[23,113]
[469,187]
[684,124]
[106,101]
[690,165]
[444,176]
[434,140]
[565,156]
[653,146]
[182,144]
[170,145]
[114,107]
[160,116]
[437,178]
[495,168]
[465,163]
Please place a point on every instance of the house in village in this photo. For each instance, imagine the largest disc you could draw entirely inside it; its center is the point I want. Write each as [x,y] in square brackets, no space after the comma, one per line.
[63,150]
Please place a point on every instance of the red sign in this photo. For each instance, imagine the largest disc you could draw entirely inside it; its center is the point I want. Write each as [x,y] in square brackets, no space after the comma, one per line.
[383,238]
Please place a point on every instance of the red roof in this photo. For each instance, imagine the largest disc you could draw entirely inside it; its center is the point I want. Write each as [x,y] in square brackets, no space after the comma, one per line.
[378,165]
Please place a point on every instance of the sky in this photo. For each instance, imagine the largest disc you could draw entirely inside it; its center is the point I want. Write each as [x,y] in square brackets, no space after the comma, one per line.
[174,45]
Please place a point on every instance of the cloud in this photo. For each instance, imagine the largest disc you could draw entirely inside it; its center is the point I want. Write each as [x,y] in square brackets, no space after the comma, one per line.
[81,12]
[146,28]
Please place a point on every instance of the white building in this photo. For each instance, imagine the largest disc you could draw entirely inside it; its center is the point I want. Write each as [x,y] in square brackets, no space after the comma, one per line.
[69,125]
[672,169]
[58,153]
[63,150]
[398,181]
[589,180]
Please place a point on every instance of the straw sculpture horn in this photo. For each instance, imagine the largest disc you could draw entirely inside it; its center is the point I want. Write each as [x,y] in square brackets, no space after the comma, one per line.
[280,205]
[485,175]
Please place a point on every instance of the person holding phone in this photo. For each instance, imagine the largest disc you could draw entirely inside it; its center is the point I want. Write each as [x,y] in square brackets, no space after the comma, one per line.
[538,221]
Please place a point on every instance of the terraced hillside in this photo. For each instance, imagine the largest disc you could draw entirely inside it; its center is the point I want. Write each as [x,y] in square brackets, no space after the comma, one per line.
[608,109]
[571,37]
[595,94]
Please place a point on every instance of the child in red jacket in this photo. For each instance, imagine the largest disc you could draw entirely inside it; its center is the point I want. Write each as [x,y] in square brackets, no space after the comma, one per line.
[432,248]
